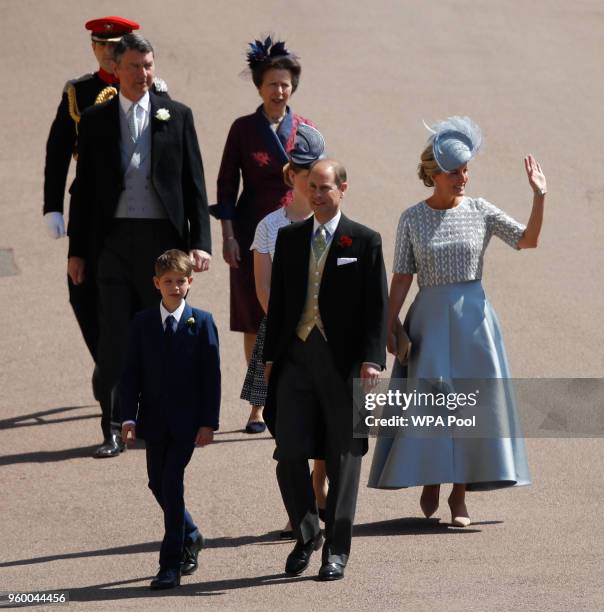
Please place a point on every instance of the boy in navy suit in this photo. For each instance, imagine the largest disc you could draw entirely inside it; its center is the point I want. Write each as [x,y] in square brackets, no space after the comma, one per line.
[170,397]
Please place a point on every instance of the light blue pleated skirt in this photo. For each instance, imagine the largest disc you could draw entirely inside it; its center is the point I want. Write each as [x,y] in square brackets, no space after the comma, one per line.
[454,333]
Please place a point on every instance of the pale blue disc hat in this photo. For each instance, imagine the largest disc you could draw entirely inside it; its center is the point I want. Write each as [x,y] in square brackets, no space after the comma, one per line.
[309,146]
[455,141]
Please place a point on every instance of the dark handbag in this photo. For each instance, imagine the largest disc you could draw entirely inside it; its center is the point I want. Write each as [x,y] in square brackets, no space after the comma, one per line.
[403,343]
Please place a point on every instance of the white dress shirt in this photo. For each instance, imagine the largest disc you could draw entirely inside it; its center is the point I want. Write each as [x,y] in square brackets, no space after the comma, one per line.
[330,227]
[165,313]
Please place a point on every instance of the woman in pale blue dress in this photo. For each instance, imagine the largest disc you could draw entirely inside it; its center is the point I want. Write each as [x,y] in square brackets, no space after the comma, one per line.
[453,329]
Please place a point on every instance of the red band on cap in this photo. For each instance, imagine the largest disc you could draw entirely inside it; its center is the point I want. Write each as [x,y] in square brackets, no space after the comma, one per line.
[111,25]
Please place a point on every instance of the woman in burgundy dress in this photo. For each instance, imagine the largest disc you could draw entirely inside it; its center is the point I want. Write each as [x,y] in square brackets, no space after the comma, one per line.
[255,152]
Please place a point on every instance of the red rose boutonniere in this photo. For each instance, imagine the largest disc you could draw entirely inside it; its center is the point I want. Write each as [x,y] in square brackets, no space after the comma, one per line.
[262,158]
[345,241]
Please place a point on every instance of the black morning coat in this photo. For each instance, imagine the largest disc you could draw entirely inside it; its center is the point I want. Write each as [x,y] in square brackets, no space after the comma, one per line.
[353,301]
[63,135]
[176,174]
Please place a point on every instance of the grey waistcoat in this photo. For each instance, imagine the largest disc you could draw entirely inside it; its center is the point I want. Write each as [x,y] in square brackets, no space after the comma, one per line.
[139,199]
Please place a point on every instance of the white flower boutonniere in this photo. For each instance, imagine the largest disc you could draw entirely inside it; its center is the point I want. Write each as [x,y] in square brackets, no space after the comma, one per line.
[191,322]
[160,85]
[162,114]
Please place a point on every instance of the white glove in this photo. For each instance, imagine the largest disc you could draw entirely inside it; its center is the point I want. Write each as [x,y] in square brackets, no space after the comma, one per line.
[55,224]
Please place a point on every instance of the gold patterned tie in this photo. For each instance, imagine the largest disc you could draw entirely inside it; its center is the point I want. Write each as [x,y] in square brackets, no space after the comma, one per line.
[319,243]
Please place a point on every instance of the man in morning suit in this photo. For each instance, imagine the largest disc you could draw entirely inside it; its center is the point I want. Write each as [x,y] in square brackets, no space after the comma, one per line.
[78,95]
[326,325]
[139,191]
[170,397]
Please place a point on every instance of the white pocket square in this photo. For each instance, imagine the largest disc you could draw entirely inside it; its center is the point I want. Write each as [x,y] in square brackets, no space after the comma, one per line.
[342,261]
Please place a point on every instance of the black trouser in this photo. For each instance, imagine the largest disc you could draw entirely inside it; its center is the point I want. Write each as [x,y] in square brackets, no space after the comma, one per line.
[314,418]
[84,302]
[125,281]
[166,463]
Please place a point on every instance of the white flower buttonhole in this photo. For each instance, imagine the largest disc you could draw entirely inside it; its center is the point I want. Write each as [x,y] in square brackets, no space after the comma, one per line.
[162,114]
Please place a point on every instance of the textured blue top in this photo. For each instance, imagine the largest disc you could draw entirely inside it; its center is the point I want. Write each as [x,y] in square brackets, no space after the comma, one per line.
[447,246]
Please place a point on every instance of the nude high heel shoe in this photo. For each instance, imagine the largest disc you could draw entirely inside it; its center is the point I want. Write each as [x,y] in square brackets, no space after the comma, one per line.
[459,515]
[428,501]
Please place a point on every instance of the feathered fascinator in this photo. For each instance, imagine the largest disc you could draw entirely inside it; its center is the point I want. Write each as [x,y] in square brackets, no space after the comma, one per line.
[260,51]
[455,141]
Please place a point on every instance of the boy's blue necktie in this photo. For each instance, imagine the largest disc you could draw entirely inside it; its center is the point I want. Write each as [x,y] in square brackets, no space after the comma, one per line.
[170,326]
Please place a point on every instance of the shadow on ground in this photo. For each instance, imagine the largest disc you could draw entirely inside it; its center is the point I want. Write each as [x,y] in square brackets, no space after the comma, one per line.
[110,592]
[400,526]
[48,456]
[41,417]
[113,591]
[143,547]
[146,547]
[414,526]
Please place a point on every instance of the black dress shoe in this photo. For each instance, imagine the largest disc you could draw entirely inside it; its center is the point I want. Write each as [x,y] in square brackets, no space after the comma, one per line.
[166,579]
[331,571]
[189,556]
[111,447]
[255,427]
[299,558]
